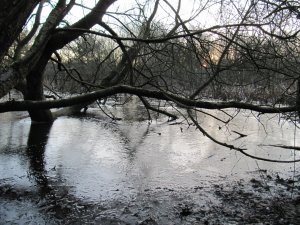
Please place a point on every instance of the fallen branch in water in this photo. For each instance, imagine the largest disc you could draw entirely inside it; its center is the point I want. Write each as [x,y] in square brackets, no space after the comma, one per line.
[268,160]
[209,136]
[297,148]
[241,150]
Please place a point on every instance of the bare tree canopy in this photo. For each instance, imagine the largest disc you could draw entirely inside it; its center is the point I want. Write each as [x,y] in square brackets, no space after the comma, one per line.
[193,55]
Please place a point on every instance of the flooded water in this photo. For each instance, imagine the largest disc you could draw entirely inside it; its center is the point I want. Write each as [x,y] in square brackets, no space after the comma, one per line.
[96,171]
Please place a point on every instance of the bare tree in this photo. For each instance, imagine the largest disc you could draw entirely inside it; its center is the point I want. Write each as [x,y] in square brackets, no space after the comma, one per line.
[245,57]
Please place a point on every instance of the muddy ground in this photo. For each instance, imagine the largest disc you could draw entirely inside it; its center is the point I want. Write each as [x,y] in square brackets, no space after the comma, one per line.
[264,199]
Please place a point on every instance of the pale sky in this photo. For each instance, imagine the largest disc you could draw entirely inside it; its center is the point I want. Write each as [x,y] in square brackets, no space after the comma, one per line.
[188,8]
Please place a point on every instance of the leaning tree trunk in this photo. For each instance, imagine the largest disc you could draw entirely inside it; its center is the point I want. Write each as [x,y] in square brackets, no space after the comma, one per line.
[13,16]
[27,73]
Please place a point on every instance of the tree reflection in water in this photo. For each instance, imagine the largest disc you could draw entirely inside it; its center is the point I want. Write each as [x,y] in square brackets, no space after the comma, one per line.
[36,144]
[55,196]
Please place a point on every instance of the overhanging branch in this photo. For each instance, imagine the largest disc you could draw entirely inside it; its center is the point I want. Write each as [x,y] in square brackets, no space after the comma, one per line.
[93,96]
[163,39]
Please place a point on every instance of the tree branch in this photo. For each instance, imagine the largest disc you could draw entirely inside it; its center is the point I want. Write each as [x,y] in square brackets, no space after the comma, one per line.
[163,39]
[209,136]
[28,105]
[148,106]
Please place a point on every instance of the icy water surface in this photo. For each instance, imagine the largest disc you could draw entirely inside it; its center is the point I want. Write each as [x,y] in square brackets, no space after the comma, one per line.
[94,171]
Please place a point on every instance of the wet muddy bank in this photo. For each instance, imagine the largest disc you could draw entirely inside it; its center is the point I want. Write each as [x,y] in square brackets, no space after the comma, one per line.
[263,200]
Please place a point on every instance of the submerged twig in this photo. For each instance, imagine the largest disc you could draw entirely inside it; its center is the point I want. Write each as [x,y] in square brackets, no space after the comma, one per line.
[297,148]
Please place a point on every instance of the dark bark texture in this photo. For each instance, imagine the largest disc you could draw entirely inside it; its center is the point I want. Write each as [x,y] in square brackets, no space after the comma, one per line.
[13,16]
[30,69]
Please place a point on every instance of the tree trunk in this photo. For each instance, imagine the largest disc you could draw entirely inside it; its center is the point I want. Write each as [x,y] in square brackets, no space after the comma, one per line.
[34,91]
[298,97]
[13,16]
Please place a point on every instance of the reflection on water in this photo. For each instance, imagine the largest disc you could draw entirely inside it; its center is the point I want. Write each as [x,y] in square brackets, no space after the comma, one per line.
[96,160]
[37,140]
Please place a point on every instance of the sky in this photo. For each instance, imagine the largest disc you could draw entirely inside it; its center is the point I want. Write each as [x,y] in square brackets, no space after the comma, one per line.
[188,8]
